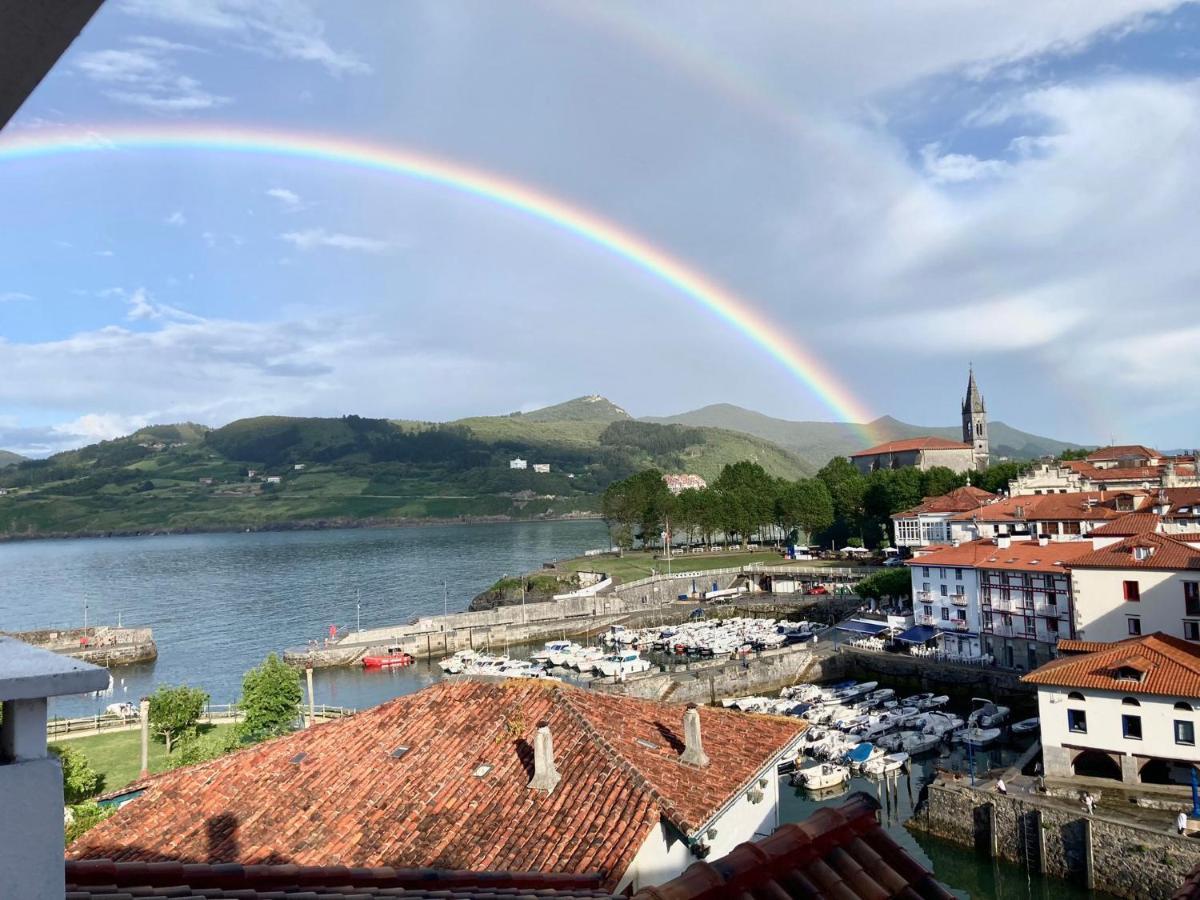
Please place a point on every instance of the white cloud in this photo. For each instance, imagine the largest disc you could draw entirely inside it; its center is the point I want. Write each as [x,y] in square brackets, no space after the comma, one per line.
[950,168]
[105,253]
[148,78]
[94,427]
[313,238]
[290,199]
[176,218]
[14,296]
[286,29]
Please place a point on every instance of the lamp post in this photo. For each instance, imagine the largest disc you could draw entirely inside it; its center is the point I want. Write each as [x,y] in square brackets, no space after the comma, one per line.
[358,610]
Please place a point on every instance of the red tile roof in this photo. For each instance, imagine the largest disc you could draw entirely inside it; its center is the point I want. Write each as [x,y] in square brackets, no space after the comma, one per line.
[841,853]
[1124,451]
[1020,556]
[87,879]
[1068,645]
[835,853]
[1171,666]
[958,500]
[1055,508]
[1144,522]
[917,443]
[1167,552]
[336,793]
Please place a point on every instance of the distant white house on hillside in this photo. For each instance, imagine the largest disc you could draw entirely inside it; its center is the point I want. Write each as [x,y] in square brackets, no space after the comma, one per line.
[541,468]
[677,483]
[518,463]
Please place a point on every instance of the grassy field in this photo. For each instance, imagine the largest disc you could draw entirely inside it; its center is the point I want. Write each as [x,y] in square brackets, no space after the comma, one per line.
[635,564]
[116,756]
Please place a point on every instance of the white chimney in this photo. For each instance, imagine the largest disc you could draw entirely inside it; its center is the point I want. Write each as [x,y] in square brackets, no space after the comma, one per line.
[693,749]
[31,842]
[1003,541]
[545,775]
[1043,540]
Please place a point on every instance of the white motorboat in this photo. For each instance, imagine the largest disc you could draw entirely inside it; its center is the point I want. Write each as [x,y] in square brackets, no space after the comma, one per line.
[1026,726]
[457,661]
[626,662]
[585,658]
[914,742]
[556,653]
[941,724]
[882,765]
[976,737]
[822,775]
[987,714]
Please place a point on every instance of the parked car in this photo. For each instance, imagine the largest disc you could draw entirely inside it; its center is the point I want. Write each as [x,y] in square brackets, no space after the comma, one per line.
[816,590]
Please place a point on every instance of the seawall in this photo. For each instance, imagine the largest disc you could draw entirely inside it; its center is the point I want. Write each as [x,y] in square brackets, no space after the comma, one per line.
[101,644]
[1056,838]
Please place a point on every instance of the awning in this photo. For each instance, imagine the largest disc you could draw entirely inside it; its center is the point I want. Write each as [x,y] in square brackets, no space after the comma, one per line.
[871,628]
[918,634]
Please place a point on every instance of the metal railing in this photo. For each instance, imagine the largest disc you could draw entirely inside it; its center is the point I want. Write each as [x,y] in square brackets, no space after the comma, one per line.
[213,713]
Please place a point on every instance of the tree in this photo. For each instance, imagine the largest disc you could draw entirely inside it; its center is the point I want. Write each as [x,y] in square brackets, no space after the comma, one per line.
[750,497]
[175,711]
[846,486]
[83,817]
[270,699]
[196,748]
[640,504]
[895,583]
[940,480]
[80,780]
[805,506]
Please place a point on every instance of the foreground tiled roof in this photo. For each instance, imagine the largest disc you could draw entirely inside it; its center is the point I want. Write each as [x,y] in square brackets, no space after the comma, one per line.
[834,853]
[345,793]
[1171,666]
[1018,556]
[1167,552]
[917,443]
[87,879]
[958,500]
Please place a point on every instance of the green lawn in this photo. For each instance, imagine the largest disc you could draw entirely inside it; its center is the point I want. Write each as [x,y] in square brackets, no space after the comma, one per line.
[116,756]
[635,564]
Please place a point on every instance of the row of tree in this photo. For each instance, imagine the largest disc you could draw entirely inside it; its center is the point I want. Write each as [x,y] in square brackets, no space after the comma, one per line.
[839,505]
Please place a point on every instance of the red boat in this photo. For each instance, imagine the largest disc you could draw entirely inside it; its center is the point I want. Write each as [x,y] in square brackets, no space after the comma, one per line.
[394,657]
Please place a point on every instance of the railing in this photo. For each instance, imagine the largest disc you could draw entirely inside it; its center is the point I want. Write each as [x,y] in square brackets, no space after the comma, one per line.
[926,620]
[213,713]
[958,600]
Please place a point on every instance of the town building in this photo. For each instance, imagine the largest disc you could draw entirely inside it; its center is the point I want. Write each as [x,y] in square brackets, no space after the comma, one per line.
[974,423]
[274,479]
[920,452]
[1125,710]
[1131,467]
[1005,599]
[541,468]
[518,463]
[518,776]
[678,483]
[1059,517]
[1141,584]
[836,852]
[929,522]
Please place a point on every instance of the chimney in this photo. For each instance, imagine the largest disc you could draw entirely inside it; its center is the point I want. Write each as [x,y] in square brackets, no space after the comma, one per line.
[1003,541]
[1043,540]
[545,776]
[693,749]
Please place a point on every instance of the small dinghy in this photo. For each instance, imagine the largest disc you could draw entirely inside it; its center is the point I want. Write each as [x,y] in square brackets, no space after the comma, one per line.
[1026,726]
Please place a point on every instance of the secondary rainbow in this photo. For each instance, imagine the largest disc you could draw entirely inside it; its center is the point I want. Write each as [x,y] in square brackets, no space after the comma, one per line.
[497,189]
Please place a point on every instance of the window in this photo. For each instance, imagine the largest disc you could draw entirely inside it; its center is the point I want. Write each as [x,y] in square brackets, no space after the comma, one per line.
[928,610]
[960,591]
[1052,626]
[1191,598]
[1130,591]
[1075,695]
[1135,625]
[1191,631]
[945,614]
[925,572]
[958,577]
[1184,706]
[961,615]
[1130,701]
[925,586]
[1185,733]
[1131,727]
[1077,721]
[945,591]
[942,572]
[1070,528]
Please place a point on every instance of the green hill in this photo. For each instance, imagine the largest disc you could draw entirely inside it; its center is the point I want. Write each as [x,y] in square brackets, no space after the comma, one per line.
[280,471]
[8,458]
[817,442]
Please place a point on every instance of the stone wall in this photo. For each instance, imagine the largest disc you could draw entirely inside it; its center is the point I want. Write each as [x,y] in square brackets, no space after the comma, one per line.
[1057,839]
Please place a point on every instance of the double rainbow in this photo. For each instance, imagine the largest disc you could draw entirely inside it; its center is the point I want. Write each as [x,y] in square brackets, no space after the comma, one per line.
[737,312]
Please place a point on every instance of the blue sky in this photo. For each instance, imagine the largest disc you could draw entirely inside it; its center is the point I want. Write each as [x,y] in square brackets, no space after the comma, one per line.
[904,188]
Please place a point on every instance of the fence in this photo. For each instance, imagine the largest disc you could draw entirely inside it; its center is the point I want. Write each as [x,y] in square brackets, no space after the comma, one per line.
[213,713]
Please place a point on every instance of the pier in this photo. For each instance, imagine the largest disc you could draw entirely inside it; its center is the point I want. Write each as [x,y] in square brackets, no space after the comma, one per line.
[101,645]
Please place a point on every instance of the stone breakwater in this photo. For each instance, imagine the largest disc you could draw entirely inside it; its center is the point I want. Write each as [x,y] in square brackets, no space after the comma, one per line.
[101,645]
[1108,852]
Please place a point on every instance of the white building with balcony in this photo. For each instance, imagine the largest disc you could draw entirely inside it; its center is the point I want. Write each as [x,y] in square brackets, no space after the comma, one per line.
[1126,711]
[946,598]
[929,522]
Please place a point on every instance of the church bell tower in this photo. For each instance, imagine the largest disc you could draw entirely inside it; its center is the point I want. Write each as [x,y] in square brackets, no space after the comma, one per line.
[974,422]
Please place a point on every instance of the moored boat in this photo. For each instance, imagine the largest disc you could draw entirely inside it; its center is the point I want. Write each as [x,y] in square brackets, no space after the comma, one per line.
[821,776]
[1026,726]
[393,656]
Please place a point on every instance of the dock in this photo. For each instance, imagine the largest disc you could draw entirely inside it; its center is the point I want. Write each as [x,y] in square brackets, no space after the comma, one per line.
[101,645]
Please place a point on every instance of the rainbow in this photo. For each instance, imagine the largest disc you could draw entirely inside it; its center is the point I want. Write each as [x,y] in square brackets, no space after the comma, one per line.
[735,311]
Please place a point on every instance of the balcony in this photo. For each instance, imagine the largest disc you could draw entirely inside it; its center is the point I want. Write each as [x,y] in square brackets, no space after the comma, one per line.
[959,600]
[924,596]
[926,620]
[962,625]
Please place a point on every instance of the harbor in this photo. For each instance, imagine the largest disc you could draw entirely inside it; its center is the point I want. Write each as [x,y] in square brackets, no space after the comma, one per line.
[102,645]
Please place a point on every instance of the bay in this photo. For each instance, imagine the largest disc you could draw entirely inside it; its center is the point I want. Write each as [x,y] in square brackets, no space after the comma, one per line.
[219,603]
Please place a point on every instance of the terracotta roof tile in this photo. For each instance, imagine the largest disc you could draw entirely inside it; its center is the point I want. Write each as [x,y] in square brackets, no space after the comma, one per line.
[839,852]
[1144,522]
[1124,451]
[1018,556]
[958,500]
[1091,506]
[1168,552]
[349,801]
[1171,666]
[917,443]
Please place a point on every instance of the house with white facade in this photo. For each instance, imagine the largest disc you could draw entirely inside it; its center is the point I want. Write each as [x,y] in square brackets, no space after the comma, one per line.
[1129,467]
[1059,517]
[928,523]
[1138,585]
[1127,710]
[945,590]
[518,463]
[541,468]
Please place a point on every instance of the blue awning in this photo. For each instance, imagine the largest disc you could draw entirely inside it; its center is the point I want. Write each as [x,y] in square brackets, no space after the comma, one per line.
[858,627]
[918,634]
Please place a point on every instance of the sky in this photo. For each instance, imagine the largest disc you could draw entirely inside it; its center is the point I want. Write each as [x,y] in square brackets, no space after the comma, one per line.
[901,190]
